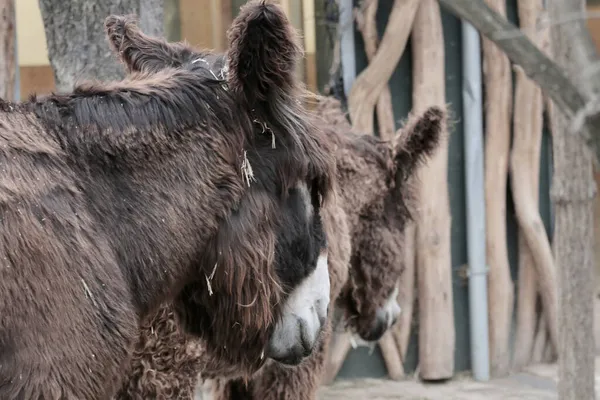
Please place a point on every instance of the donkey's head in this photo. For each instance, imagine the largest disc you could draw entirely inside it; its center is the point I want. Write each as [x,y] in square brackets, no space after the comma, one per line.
[288,167]
[385,200]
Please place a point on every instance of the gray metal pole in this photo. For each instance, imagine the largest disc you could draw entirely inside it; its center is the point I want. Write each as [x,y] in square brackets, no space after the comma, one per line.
[346,32]
[475,186]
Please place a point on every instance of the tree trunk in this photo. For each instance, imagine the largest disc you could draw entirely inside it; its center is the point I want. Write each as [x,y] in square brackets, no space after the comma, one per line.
[572,194]
[172,20]
[434,265]
[77,47]
[7,50]
[152,17]
[498,103]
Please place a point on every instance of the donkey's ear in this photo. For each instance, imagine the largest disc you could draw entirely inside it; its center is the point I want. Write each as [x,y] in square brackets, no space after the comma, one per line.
[264,52]
[418,140]
[116,28]
[140,52]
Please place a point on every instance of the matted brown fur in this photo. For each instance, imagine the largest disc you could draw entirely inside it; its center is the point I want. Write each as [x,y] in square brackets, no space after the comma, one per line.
[377,193]
[168,363]
[360,224]
[122,196]
[375,201]
[259,73]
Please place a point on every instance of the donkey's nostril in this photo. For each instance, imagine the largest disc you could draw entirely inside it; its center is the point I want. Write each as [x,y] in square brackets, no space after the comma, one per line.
[307,349]
[308,336]
[392,320]
[322,320]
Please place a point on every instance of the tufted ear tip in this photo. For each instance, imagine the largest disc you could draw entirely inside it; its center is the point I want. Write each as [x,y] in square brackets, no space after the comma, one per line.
[419,139]
[264,51]
[116,27]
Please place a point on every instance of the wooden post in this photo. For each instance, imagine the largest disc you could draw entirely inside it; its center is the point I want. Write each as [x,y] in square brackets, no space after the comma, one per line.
[7,50]
[310,44]
[391,356]
[434,268]
[498,104]
[525,170]
[372,80]
[221,11]
[367,25]
[338,349]
[406,292]
[293,10]
[196,23]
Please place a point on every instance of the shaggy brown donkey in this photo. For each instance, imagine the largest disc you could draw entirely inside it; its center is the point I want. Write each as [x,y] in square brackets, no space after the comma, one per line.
[377,195]
[375,191]
[120,197]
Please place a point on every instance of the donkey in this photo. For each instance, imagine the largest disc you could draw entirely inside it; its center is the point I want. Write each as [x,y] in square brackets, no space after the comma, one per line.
[366,226]
[377,195]
[172,186]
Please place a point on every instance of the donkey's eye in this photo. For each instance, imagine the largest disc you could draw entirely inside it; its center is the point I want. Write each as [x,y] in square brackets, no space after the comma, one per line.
[315,195]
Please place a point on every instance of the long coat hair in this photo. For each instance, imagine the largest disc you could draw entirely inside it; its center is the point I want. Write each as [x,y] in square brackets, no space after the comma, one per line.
[172,186]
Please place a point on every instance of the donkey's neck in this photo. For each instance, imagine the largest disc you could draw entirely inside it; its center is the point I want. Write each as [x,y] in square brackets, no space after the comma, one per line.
[144,117]
[161,216]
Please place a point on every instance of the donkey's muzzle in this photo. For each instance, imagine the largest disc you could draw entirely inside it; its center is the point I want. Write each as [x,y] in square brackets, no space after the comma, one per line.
[385,318]
[304,317]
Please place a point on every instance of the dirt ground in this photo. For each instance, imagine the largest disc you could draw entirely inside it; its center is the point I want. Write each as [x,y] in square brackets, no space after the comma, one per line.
[536,382]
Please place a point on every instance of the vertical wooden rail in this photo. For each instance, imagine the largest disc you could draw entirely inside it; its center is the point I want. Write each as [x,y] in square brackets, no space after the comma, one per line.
[310,44]
[498,111]
[373,79]
[434,268]
[218,26]
[366,20]
[525,170]
[196,24]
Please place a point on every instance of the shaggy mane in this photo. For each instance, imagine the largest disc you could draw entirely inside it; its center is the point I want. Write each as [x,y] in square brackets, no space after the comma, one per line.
[268,90]
[143,112]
